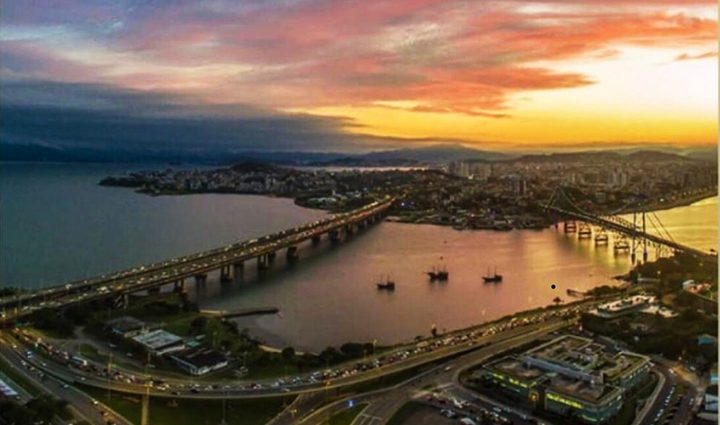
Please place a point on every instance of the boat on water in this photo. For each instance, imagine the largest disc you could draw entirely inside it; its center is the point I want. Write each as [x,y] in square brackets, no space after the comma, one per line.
[492,278]
[386,285]
[438,274]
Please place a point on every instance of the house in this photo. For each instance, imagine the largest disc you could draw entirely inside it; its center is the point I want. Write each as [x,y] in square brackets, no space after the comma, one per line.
[160,342]
[125,326]
[200,360]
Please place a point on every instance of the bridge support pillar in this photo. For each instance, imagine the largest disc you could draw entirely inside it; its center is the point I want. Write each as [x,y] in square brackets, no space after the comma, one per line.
[226,274]
[179,286]
[569,226]
[335,235]
[238,268]
[350,229]
[125,301]
[316,239]
[271,256]
[263,262]
[292,253]
[200,279]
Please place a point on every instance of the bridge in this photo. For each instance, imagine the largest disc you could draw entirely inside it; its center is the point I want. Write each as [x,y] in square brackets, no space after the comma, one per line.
[563,204]
[227,259]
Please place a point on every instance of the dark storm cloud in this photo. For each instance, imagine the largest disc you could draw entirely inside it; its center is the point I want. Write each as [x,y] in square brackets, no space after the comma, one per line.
[71,115]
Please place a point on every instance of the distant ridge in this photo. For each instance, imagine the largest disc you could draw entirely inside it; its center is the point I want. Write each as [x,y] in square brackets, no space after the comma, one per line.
[603,156]
[433,154]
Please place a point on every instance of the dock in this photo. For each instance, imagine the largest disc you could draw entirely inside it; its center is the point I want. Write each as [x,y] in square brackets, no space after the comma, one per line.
[253,311]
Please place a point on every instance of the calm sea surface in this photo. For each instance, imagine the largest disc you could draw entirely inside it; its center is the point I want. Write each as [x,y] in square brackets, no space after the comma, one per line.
[56,225]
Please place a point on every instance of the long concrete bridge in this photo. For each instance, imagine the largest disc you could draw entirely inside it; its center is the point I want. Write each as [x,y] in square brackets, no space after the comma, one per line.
[227,259]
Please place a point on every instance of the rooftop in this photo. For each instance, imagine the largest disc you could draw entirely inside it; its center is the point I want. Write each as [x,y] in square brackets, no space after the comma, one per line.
[627,303]
[201,357]
[517,369]
[573,366]
[580,389]
[157,339]
[125,324]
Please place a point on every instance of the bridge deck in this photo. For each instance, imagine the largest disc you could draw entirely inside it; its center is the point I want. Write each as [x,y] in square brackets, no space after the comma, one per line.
[630,231]
[176,269]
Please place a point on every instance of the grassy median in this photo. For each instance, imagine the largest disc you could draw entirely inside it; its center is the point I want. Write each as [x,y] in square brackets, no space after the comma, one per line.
[193,412]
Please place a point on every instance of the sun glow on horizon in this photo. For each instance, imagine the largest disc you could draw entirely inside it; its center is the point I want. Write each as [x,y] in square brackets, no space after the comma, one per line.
[518,73]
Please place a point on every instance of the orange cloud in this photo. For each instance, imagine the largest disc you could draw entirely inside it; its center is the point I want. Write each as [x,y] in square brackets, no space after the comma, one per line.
[445,56]
[686,56]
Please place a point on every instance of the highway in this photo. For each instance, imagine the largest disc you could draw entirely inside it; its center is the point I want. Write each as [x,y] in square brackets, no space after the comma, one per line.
[82,406]
[177,269]
[677,399]
[671,403]
[340,376]
[385,402]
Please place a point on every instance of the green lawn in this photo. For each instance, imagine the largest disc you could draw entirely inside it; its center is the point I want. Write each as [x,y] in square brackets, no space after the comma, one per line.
[347,416]
[164,411]
[408,410]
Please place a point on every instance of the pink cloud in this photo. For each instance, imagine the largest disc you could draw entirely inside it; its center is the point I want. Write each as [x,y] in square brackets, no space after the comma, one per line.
[448,56]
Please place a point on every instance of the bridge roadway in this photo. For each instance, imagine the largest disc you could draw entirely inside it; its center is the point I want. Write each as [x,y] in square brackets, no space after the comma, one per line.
[621,226]
[195,265]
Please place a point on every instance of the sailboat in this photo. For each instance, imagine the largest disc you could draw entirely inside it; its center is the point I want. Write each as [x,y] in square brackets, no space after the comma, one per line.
[387,284]
[494,278]
[438,273]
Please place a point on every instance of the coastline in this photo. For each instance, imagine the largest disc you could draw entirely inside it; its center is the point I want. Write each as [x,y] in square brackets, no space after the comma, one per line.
[675,203]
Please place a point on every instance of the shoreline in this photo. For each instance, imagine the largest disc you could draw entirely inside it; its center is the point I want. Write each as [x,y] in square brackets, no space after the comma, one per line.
[675,204]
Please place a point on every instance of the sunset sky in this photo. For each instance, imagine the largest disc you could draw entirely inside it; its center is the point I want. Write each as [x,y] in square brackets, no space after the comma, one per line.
[360,74]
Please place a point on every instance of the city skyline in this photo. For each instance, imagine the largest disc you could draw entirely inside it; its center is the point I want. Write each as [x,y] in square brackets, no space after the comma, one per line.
[357,76]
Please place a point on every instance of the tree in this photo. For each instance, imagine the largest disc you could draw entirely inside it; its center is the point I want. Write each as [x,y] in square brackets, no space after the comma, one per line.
[288,354]
[352,349]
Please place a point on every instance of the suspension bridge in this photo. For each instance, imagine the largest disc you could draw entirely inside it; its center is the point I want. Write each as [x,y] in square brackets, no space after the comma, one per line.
[644,230]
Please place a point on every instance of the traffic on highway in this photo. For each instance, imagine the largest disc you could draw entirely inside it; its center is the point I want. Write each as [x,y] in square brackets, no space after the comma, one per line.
[34,352]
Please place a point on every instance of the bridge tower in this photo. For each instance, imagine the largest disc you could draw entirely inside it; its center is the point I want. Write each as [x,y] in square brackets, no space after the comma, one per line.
[633,237]
[645,241]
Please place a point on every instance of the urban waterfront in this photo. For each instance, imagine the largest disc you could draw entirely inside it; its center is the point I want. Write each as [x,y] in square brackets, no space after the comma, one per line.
[327,298]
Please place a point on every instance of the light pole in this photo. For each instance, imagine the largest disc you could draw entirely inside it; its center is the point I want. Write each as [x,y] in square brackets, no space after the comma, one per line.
[109,369]
[145,415]
[224,412]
